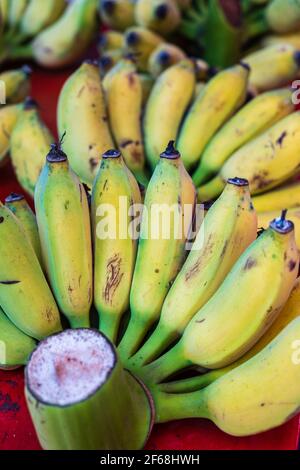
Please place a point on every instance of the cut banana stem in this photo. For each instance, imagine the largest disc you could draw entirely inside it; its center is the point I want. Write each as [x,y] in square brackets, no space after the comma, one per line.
[170,198]
[259,395]
[25,295]
[286,316]
[114,252]
[293,214]
[79,396]
[15,346]
[220,242]
[245,315]
[21,209]
[63,218]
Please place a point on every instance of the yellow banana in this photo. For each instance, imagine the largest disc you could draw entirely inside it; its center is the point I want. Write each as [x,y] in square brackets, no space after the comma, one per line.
[108,60]
[265,162]
[292,38]
[63,218]
[283,16]
[163,57]
[162,16]
[294,215]
[66,40]
[124,95]
[259,395]
[222,96]
[82,115]
[30,141]
[285,197]
[110,40]
[221,240]
[238,315]
[273,66]
[118,14]
[25,295]
[16,84]
[162,248]
[141,43]
[38,15]
[8,119]
[286,316]
[15,346]
[16,11]
[21,209]
[168,101]
[115,252]
[261,113]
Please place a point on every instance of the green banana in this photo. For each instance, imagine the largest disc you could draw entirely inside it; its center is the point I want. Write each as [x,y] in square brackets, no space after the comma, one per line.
[162,248]
[82,117]
[39,15]
[215,104]
[8,119]
[221,240]
[259,395]
[162,16]
[118,14]
[30,141]
[141,42]
[229,325]
[168,101]
[25,295]
[163,57]
[283,16]
[16,84]
[15,346]
[115,253]
[21,209]
[273,66]
[63,219]
[261,113]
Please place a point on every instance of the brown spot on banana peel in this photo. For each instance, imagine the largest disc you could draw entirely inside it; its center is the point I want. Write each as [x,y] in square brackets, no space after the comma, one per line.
[80,91]
[1,220]
[197,265]
[250,263]
[113,277]
[281,139]
[93,163]
[49,315]
[9,283]
[292,265]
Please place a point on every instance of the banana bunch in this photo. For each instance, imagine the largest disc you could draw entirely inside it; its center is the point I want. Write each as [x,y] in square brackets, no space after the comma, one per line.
[54,33]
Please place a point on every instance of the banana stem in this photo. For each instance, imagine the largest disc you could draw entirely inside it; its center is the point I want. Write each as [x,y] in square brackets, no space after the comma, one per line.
[109,326]
[192,384]
[22,52]
[170,407]
[80,322]
[132,338]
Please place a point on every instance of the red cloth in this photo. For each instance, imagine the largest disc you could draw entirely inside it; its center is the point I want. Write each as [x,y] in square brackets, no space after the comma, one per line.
[16,429]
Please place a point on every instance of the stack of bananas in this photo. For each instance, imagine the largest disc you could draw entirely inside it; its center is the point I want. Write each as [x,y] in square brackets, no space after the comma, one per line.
[54,33]
[226,302]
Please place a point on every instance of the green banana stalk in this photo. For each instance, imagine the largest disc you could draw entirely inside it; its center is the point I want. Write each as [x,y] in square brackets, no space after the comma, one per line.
[229,325]
[114,253]
[21,209]
[25,295]
[63,219]
[221,240]
[79,396]
[15,346]
[162,248]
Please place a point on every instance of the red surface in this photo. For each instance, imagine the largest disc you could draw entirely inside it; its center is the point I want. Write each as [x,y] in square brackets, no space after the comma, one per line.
[16,430]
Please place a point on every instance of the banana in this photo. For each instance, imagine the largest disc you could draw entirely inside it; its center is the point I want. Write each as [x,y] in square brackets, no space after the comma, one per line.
[82,115]
[265,162]
[162,16]
[229,325]
[15,346]
[63,219]
[25,295]
[21,209]
[141,43]
[221,240]
[4,10]
[259,395]
[168,101]
[286,316]
[283,16]
[161,251]
[110,41]
[108,60]
[8,119]
[118,14]
[255,117]
[287,196]
[292,38]
[39,15]
[294,215]
[147,82]
[163,57]
[30,141]
[222,96]
[114,253]
[124,94]
[66,40]
[16,11]
[273,66]
[16,84]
